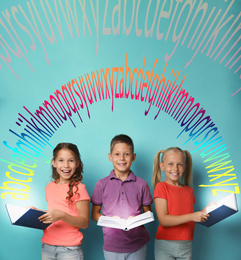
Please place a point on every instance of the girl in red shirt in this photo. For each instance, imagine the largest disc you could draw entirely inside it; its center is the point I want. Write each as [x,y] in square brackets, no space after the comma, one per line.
[174,199]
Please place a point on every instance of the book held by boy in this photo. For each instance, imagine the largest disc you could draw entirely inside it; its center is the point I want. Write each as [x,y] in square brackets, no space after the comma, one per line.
[26,217]
[126,224]
[221,210]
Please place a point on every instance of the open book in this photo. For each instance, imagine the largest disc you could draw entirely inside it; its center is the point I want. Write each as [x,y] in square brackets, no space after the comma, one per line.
[221,210]
[126,224]
[26,217]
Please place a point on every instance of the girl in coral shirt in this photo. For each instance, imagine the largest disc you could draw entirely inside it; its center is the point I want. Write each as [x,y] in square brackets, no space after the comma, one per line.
[68,206]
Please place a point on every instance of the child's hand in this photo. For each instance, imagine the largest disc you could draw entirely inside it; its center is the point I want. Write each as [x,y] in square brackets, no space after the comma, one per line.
[115,217]
[30,207]
[211,204]
[51,216]
[200,216]
[131,217]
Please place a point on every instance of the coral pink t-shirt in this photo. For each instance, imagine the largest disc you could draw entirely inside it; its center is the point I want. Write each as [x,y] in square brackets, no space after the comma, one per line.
[180,201]
[61,233]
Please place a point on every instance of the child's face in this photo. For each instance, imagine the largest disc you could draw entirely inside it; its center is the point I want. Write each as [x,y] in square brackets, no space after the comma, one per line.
[122,158]
[174,166]
[65,164]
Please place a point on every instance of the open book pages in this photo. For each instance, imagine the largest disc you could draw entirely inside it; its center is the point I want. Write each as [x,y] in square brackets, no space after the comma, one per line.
[126,224]
[229,201]
[15,212]
[26,217]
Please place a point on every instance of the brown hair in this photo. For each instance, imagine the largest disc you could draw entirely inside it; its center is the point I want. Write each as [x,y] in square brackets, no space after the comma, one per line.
[187,176]
[77,176]
[121,139]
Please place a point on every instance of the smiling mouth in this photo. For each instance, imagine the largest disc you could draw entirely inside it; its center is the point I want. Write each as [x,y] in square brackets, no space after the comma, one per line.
[66,172]
[174,174]
[122,164]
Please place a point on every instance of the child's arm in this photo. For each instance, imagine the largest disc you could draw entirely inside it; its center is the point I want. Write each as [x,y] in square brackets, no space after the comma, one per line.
[146,208]
[95,213]
[170,220]
[80,221]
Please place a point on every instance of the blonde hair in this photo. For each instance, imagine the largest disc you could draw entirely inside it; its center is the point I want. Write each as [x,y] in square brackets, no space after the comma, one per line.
[187,176]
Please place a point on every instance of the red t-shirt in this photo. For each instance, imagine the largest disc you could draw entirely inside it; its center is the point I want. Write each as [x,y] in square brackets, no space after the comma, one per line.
[180,201]
[61,233]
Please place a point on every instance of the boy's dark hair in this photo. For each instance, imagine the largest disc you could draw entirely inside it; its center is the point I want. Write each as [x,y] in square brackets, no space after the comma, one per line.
[122,139]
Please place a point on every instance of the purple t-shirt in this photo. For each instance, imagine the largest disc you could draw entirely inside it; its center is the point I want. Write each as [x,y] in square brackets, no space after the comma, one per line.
[122,199]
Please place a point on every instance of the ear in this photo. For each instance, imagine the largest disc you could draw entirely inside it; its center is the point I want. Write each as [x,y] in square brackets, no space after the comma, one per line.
[78,163]
[133,157]
[161,166]
[110,157]
[53,163]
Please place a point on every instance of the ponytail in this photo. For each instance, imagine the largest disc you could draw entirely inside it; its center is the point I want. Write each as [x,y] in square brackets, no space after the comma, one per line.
[187,178]
[156,175]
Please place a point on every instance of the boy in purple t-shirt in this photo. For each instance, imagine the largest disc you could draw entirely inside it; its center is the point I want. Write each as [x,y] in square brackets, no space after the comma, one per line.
[122,194]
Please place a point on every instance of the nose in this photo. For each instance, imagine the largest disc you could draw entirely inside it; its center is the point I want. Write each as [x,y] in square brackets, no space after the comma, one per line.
[66,164]
[175,167]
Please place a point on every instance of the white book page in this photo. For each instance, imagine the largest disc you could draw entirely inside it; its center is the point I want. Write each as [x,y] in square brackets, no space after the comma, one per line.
[229,201]
[15,212]
[139,223]
[111,222]
[139,218]
[126,223]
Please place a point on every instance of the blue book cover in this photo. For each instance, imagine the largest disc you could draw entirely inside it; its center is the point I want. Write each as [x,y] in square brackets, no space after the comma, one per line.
[26,217]
[221,210]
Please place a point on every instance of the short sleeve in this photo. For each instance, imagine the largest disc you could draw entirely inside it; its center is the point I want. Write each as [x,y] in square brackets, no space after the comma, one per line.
[83,194]
[96,197]
[147,198]
[160,191]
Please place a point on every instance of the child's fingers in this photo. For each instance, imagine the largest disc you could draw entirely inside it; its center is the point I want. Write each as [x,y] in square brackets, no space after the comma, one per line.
[204,217]
[131,217]
[46,220]
[44,217]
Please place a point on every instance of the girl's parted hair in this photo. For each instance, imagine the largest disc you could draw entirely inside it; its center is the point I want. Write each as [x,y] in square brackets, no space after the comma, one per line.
[77,176]
[187,176]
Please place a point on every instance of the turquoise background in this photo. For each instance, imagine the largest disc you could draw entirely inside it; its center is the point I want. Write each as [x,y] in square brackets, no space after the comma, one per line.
[210,82]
